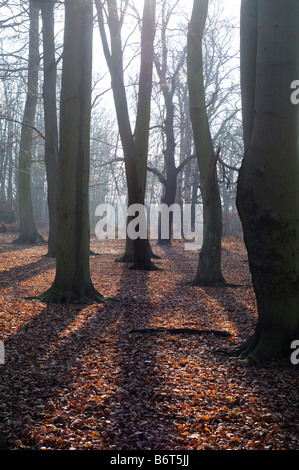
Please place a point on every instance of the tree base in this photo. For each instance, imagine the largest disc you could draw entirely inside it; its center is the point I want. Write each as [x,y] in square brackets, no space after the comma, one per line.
[261,348]
[149,266]
[129,258]
[36,239]
[203,283]
[50,254]
[153,255]
[55,295]
[164,243]
[126,258]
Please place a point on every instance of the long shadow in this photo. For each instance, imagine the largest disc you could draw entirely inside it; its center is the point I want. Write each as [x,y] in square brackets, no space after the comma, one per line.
[236,311]
[55,385]
[228,297]
[139,423]
[25,271]
[7,247]
[31,372]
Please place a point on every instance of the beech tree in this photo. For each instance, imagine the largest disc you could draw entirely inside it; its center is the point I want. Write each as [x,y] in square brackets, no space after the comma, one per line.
[28,231]
[72,283]
[168,89]
[209,266]
[268,184]
[50,116]
[134,142]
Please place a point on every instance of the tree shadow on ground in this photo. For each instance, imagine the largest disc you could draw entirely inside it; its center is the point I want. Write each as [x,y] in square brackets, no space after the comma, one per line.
[32,370]
[7,247]
[25,271]
[139,423]
[232,300]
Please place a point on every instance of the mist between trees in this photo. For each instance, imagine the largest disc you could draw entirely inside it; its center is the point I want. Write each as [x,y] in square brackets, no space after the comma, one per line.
[172,166]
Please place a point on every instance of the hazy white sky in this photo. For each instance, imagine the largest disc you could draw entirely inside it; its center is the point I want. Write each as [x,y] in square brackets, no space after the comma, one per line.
[231,9]
[232,5]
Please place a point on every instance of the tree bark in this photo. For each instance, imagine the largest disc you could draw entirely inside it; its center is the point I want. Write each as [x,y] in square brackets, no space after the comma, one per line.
[28,231]
[268,184]
[209,265]
[72,283]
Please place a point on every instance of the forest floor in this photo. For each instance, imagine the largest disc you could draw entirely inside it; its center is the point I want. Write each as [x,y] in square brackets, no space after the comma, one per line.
[78,377]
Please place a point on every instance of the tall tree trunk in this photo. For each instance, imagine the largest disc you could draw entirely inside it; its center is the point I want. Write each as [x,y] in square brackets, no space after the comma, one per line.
[135,144]
[170,187]
[171,171]
[72,283]
[50,112]
[168,91]
[209,265]
[268,184]
[28,231]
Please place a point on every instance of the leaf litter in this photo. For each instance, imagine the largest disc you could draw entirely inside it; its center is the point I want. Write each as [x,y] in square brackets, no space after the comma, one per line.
[134,375]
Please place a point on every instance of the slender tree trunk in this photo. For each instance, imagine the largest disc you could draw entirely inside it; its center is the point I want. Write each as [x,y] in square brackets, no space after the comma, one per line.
[72,283]
[168,91]
[142,252]
[209,265]
[268,184]
[50,112]
[171,171]
[9,155]
[135,144]
[28,231]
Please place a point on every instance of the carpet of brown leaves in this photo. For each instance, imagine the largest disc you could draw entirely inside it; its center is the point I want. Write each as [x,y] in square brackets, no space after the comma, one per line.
[76,377]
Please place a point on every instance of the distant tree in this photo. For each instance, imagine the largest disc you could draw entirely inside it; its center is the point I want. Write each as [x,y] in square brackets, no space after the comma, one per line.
[72,283]
[28,231]
[50,116]
[268,185]
[209,266]
[168,89]
[9,132]
[134,142]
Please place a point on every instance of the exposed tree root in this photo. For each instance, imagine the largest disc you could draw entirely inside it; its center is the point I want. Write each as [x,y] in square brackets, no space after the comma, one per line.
[175,331]
[94,253]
